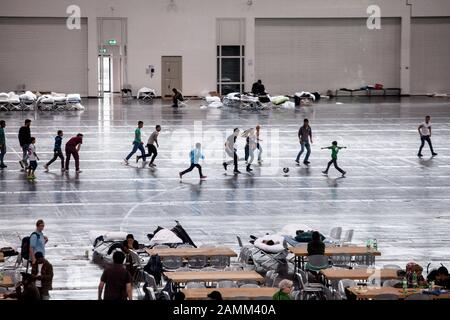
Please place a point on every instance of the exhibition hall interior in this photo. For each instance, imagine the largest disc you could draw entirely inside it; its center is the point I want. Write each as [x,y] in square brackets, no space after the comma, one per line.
[224,150]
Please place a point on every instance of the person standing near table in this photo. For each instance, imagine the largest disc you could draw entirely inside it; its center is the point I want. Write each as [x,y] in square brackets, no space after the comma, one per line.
[73,148]
[304,136]
[425,135]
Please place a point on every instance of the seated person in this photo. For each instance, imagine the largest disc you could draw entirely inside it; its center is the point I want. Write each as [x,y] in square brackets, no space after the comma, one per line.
[129,244]
[258,88]
[26,289]
[412,268]
[442,278]
[316,246]
[284,293]
[177,97]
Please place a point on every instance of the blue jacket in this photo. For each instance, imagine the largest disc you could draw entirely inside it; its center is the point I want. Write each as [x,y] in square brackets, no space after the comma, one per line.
[195,155]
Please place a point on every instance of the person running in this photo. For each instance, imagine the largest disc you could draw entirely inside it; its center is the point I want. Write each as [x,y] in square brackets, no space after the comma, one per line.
[57,152]
[25,141]
[33,159]
[151,147]
[258,145]
[195,155]
[2,144]
[137,143]
[72,149]
[334,151]
[304,136]
[251,145]
[425,135]
[231,151]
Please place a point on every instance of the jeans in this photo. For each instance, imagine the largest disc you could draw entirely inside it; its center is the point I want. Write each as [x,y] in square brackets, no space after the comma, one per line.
[334,161]
[136,146]
[427,139]
[251,153]
[247,152]
[258,146]
[2,153]
[74,152]
[25,154]
[151,151]
[57,154]
[194,165]
[304,144]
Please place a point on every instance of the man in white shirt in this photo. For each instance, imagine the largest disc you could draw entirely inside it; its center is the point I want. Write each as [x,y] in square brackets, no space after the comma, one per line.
[231,151]
[425,135]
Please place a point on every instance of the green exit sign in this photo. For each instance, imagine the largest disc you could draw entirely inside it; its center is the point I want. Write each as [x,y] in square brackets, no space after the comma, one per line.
[102,51]
[112,42]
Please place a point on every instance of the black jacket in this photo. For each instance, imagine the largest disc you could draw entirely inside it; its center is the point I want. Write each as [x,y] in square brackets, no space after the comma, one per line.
[24,135]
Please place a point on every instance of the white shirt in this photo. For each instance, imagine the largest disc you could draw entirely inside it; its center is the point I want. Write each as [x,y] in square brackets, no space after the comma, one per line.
[425,128]
[39,282]
[31,152]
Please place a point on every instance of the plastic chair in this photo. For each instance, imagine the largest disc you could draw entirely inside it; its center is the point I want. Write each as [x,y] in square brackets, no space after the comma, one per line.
[239,242]
[172,262]
[194,285]
[197,262]
[305,290]
[219,261]
[342,261]
[270,278]
[226,284]
[250,285]
[335,234]
[348,236]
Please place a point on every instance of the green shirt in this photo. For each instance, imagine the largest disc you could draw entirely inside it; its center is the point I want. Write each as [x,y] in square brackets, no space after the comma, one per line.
[137,136]
[280,295]
[334,151]
[2,137]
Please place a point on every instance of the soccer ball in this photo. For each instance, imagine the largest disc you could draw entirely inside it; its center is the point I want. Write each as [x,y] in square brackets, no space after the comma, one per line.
[285,170]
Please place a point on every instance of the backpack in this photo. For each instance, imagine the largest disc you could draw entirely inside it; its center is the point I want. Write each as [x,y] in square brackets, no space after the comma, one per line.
[154,267]
[25,247]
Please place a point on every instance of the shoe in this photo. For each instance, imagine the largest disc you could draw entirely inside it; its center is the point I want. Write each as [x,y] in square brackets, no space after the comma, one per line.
[420,155]
[21,164]
[236,171]
[137,159]
[125,161]
[260,161]
[324,172]
[297,162]
[23,170]
[62,169]
[181,176]
[3,166]
[203,177]
[249,169]
[46,167]
[79,171]
[225,165]
[343,173]
[434,154]
[152,165]
[306,162]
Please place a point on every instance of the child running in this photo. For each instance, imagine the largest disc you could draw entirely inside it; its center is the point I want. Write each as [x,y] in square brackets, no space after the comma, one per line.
[32,156]
[195,155]
[137,143]
[258,145]
[250,147]
[334,151]
[57,152]
[151,147]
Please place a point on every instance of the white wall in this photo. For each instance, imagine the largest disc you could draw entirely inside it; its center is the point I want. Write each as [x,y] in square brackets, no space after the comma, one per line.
[188,29]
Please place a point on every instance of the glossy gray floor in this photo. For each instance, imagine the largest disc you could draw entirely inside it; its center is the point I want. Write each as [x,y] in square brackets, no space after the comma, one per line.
[388,194]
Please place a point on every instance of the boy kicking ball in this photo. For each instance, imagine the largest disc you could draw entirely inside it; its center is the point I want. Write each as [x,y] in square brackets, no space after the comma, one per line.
[334,152]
